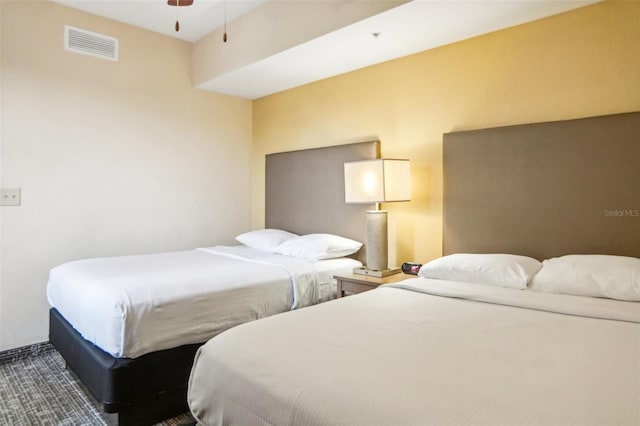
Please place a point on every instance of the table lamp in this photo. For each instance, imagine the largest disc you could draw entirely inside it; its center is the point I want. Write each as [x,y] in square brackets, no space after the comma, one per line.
[377,181]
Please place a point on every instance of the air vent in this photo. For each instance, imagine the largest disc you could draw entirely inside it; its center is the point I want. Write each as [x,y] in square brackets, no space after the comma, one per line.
[90,43]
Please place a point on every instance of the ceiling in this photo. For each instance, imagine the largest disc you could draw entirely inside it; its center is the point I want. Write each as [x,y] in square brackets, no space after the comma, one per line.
[196,20]
[409,28]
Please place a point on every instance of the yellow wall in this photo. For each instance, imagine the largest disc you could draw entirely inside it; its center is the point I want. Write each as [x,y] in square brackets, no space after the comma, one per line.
[582,63]
[113,158]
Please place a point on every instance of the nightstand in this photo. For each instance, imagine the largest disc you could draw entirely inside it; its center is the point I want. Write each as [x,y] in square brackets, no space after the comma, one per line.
[355,283]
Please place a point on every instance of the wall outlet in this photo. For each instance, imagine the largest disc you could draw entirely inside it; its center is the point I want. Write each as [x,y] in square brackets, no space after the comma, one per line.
[10,197]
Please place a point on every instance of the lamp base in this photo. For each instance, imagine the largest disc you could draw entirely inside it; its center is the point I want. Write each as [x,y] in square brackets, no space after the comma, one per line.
[377,274]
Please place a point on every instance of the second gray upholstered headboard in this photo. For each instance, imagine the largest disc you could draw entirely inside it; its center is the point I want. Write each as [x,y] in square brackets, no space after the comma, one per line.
[545,189]
[305,191]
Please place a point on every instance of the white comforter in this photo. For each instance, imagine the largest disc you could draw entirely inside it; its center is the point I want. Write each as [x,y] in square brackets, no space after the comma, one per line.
[132,305]
[426,352]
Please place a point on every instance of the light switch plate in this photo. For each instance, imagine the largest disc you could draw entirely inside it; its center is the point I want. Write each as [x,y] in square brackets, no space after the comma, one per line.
[10,196]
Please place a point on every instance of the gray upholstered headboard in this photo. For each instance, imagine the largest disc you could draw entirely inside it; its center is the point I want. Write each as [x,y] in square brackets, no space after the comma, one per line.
[544,189]
[305,191]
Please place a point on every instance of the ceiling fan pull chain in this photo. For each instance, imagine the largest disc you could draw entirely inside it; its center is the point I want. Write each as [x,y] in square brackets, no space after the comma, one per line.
[178,4]
[177,8]
[224,36]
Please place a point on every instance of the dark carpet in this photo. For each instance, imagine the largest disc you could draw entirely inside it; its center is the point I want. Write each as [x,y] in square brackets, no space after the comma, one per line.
[37,390]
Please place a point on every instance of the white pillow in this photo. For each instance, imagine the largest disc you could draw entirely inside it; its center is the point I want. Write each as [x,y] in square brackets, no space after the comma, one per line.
[594,275]
[265,239]
[318,246]
[500,270]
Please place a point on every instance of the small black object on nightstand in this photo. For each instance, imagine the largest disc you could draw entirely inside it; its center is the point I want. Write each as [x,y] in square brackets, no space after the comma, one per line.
[411,268]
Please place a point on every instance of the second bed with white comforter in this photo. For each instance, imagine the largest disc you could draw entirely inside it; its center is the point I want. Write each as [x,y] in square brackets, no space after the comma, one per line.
[428,352]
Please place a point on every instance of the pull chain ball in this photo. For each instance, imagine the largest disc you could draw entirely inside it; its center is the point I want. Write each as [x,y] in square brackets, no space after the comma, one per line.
[177,26]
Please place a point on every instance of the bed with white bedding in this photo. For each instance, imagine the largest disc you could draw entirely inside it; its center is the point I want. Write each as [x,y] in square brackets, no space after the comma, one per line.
[133,305]
[428,352]
[176,301]
[129,326]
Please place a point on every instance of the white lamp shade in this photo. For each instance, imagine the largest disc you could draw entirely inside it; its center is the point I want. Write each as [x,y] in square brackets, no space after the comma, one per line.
[377,181]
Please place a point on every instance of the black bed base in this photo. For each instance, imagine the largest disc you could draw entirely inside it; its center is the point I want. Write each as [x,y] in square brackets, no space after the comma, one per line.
[139,391]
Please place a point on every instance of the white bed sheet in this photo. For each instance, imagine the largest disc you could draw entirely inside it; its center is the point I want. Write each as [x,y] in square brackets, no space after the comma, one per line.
[427,352]
[132,305]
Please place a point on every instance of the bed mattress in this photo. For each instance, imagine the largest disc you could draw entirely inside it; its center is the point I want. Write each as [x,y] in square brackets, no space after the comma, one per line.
[132,305]
[426,352]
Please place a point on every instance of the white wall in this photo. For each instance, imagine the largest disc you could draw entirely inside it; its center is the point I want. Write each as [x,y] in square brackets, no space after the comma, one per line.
[113,158]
